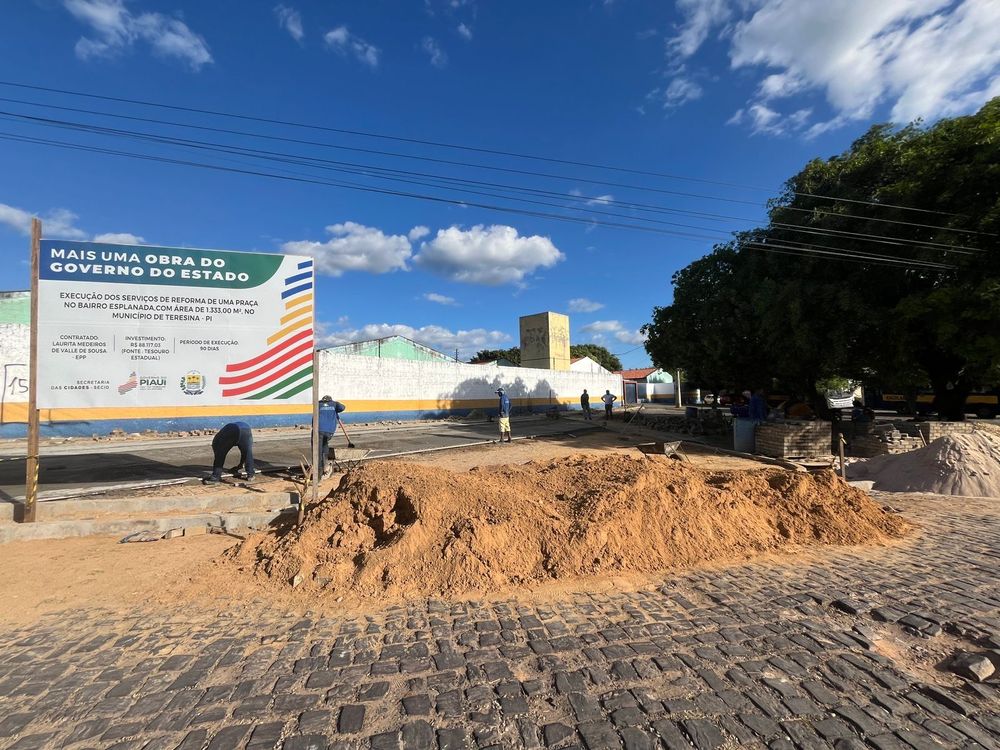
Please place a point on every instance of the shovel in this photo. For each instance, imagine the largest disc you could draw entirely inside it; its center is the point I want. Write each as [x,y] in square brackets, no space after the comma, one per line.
[344,428]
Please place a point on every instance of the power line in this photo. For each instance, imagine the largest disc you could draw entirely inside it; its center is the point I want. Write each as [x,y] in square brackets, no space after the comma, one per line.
[603,200]
[832,252]
[845,254]
[389,174]
[441,144]
[347,185]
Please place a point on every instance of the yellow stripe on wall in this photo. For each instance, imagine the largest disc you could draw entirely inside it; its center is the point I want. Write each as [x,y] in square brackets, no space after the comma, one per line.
[18,412]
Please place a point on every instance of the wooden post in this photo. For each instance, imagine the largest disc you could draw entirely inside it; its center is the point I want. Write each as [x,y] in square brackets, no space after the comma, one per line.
[315,439]
[31,470]
[840,445]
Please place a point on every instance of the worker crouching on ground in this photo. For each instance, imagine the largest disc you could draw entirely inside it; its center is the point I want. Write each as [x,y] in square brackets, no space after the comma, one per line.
[504,415]
[329,415]
[233,435]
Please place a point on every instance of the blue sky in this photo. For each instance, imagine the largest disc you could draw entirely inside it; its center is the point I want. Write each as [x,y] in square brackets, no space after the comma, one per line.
[742,92]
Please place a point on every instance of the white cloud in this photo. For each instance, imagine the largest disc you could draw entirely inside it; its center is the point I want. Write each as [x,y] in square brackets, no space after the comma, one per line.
[700,17]
[597,200]
[486,255]
[439,58]
[418,233]
[440,299]
[342,41]
[291,21]
[681,91]
[584,305]
[58,223]
[918,58]
[464,31]
[120,238]
[601,330]
[436,337]
[117,29]
[355,247]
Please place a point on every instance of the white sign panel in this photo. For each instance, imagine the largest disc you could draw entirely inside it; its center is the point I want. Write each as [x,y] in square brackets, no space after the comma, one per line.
[137,326]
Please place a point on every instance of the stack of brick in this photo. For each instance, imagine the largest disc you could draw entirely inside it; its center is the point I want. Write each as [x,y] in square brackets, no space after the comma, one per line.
[793,439]
[878,439]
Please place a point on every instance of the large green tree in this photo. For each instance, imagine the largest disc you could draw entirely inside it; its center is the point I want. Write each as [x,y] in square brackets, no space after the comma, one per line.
[881,263]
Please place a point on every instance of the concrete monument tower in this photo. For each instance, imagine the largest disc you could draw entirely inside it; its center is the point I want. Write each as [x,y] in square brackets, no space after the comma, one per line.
[545,341]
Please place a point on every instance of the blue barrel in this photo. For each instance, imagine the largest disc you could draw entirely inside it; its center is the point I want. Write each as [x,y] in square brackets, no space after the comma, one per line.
[743,434]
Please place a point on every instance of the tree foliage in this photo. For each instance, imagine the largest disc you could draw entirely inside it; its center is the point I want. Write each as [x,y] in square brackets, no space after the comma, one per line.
[756,309]
[491,355]
[597,353]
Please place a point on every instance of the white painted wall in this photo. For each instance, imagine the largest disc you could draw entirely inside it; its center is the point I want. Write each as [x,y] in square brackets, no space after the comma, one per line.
[372,384]
[587,365]
[407,385]
[14,348]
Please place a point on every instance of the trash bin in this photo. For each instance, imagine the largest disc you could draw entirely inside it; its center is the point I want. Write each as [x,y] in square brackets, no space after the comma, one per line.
[744,430]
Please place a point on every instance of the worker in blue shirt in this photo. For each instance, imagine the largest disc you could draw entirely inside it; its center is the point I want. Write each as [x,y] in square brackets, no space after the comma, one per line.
[758,406]
[233,435]
[329,415]
[504,414]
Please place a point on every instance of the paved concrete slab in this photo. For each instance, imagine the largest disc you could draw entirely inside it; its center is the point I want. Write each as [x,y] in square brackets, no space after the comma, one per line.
[127,506]
[64,529]
[83,464]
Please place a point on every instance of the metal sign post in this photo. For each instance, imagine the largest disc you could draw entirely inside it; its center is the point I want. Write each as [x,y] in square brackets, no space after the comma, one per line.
[31,470]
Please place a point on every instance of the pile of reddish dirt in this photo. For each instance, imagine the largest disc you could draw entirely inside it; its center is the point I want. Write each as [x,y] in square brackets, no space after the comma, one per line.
[401,529]
[967,465]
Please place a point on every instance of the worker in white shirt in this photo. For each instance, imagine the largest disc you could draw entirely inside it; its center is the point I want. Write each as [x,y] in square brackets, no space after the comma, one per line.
[609,399]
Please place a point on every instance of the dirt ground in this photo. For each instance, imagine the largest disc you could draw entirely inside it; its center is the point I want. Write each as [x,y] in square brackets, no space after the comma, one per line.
[59,574]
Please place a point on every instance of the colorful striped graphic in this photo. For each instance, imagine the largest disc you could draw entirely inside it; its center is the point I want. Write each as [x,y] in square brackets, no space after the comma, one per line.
[130,384]
[285,368]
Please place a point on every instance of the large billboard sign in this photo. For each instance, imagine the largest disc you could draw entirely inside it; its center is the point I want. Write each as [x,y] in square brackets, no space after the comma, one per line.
[137,326]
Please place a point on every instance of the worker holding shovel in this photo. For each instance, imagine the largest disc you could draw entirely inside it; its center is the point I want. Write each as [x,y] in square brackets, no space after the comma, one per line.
[329,417]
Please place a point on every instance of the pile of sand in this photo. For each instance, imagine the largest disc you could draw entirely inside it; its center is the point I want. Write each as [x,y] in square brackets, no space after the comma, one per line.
[401,529]
[966,465]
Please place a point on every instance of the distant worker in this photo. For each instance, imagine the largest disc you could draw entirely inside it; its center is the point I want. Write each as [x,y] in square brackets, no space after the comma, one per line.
[585,403]
[329,415]
[504,415]
[609,399]
[233,435]
[758,406]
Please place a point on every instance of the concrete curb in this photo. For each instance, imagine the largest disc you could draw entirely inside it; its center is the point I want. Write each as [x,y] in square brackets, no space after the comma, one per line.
[236,522]
[54,510]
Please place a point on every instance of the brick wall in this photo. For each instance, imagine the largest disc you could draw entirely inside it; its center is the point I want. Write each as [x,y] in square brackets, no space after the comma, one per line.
[793,439]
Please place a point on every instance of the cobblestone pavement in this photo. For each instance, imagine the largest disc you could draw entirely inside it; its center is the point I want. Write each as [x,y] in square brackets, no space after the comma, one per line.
[810,651]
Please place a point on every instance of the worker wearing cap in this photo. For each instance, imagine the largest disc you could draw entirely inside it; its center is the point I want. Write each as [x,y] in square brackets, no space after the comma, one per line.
[329,415]
[504,413]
